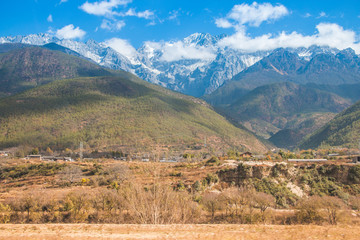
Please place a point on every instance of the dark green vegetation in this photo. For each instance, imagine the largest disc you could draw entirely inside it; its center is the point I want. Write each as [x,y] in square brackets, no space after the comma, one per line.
[288,110]
[266,99]
[21,171]
[343,130]
[26,67]
[113,113]
[347,91]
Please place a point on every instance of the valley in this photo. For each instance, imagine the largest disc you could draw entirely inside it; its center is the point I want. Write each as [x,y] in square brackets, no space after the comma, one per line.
[111,148]
[127,119]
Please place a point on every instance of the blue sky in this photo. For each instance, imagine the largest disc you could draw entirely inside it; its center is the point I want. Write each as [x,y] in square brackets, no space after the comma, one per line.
[137,21]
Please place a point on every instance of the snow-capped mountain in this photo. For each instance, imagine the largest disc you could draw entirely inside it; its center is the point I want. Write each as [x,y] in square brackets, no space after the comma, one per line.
[196,65]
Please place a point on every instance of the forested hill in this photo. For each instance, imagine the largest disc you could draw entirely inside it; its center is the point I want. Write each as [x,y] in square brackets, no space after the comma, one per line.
[114,112]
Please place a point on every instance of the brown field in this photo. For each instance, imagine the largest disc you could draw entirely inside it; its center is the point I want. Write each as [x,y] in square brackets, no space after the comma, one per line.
[181,231]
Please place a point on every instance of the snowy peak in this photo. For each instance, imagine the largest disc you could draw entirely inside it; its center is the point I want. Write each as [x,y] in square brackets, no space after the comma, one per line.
[195,65]
[33,39]
[203,39]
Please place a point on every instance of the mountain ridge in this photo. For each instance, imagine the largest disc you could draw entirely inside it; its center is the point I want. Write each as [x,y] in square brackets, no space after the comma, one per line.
[30,66]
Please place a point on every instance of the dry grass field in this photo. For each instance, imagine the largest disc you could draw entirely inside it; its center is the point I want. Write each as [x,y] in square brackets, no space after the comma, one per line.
[181,231]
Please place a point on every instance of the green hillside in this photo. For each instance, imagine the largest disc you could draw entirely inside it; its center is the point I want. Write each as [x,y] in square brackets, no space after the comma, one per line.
[342,131]
[114,113]
[28,67]
[271,108]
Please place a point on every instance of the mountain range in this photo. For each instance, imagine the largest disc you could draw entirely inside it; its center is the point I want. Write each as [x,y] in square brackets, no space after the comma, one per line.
[283,65]
[283,96]
[204,67]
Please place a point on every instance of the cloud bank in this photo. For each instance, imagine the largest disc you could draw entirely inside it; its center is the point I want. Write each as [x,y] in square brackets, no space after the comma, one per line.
[328,34]
[242,16]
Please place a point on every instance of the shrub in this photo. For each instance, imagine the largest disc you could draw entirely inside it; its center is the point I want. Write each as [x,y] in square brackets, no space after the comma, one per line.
[309,210]
[211,178]
[354,174]
[213,161]
[175,174]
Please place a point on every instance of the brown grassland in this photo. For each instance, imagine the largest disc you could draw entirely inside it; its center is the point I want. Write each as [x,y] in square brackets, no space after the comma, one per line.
[178,231]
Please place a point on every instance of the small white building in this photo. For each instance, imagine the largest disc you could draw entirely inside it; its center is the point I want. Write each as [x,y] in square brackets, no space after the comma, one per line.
[307,160]
[4,154]
[34,157]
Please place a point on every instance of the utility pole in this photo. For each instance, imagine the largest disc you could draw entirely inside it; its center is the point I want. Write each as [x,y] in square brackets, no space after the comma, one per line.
[205,142]
[81,151]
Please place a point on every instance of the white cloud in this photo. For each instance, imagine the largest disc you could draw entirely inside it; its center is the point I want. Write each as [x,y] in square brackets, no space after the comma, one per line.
[322,14]
[122,46]
[173,15]
[328,34]
[63,1]
[70,32]
[307,15]
[147,14]
[103,8]
[174,51]
[253,14]
[223,23]
[112,26]
[50,18]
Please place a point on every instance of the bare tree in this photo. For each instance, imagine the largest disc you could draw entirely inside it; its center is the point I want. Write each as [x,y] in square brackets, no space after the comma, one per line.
[71,173]
[333,205]
[236,202]
[212,203]
[263,201]
[355,202]
[117,172]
